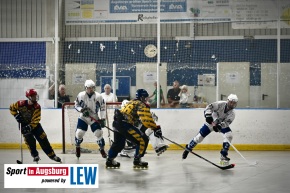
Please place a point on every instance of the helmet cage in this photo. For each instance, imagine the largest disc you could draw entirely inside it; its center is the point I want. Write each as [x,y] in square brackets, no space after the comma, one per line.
[142,94]
[30,93]
[232,101]
[90,84]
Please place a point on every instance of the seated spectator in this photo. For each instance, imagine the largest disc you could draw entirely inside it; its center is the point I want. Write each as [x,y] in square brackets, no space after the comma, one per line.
[107,95]
[62,97]
[172,94]
[184,95]
[153,102]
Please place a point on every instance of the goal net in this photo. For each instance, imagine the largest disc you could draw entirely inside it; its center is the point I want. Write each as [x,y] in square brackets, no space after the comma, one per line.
[69,123]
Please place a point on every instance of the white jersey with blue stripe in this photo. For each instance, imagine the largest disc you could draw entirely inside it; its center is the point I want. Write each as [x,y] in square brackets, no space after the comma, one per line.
[94,102]
[219,113]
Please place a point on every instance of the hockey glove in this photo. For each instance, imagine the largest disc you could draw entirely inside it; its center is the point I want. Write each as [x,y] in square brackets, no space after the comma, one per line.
[217,128]
[85,112]
[154,116]
[158,132]
[208,118]
[26,129]
[19,118]
[102,122]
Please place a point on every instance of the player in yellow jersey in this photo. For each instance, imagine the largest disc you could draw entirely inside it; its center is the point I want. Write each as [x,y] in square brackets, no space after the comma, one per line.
[28,115]
[126,122]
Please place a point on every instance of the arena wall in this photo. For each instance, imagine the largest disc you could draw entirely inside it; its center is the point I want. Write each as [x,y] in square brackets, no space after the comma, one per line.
[253,129]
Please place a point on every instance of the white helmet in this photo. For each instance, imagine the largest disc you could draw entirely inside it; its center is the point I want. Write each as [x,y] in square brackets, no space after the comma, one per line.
[232,101]
[89,84]
[233,97]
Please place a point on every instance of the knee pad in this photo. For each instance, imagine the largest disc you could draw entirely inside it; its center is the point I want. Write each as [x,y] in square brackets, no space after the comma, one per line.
[80,134]
[191,145]
[224,152]
[99,134]
[198,138]
[228,136]
[101,142]
[205,130]
[226,146]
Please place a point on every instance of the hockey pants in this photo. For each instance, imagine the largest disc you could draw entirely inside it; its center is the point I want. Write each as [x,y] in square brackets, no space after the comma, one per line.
[131,133]
[38,134]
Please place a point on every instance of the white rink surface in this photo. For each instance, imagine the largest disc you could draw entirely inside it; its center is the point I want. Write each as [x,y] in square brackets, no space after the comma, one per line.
[169,174]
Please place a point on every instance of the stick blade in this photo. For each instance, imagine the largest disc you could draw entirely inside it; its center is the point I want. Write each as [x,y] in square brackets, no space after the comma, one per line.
[227,167]
[19,162]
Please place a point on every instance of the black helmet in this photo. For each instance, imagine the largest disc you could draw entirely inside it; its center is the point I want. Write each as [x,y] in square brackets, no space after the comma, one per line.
[141,93]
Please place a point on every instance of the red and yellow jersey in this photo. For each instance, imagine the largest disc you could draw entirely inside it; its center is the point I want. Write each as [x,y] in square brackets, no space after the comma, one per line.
[31,114]
[135,111]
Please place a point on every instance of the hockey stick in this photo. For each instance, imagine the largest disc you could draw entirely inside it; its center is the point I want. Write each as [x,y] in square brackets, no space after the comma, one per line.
[220,167]
[109,129]
[109,133]
[21,151]
[250,164]
[105,125]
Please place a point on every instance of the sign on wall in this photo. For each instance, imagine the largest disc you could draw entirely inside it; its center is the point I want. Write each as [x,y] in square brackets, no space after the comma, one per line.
[233,77]
[85,12]
[206,80]
[149,77]
[79,78]
[260,14]
[243,14]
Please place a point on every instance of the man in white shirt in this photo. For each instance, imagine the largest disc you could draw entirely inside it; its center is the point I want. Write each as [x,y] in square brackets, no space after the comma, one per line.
[107,95]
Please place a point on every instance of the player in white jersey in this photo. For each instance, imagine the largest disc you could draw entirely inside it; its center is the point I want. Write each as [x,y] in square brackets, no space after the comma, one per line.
[218,115]
[89,103]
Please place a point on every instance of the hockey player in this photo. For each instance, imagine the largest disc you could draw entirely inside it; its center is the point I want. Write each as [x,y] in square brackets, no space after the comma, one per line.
[28,115]
[89,103]
[129,149]
[126,122]
[218,116]
[157,143]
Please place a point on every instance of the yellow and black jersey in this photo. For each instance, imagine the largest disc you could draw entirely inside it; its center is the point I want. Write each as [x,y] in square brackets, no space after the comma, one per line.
[135,111]
[31,114]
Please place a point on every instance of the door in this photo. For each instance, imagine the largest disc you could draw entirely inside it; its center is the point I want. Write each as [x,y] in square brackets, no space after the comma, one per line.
[234,78]
[284,86]
[268,85]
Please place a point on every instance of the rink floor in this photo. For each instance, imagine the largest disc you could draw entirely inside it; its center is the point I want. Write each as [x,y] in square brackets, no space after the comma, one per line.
[168,173]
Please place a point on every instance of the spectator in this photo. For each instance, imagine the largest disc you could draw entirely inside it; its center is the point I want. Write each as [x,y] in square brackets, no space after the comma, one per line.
[172,94]
[107,95]
[62,97]
[153,102]
[184,95]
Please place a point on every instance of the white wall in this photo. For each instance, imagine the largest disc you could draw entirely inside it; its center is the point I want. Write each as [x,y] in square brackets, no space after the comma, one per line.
[180,125]
[14,89]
